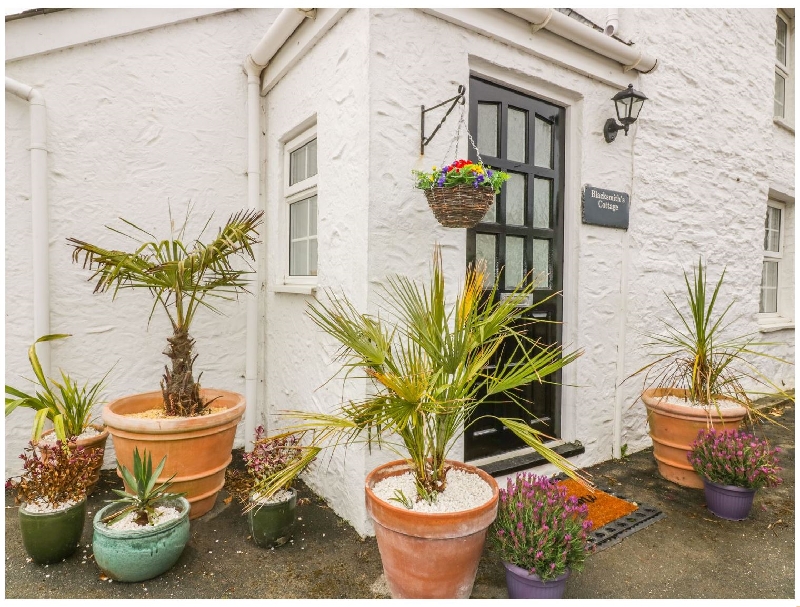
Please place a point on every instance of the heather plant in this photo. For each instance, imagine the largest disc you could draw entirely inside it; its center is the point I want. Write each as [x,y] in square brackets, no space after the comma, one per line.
[539,528]
[66,404]
[460,172]
[735,458]
[272,465]
[54,474]
[145,495]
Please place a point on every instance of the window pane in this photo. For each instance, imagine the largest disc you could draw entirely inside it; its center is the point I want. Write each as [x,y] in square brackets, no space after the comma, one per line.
[515,198]
[487,128]
[298,220]
[312,158]
[312,216]
[780,40]
[772,230]
[543,144]
[312,256]
[780,95]
[541,263]
[769,287]
[515,261]
[298,258]
[485,251]
[517,135]
[542,192]
[297,166]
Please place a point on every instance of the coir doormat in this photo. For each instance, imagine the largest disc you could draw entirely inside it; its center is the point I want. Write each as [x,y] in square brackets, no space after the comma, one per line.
[614,516]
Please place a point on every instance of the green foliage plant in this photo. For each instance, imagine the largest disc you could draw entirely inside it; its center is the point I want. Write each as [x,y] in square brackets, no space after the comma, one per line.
[180,277]
[696,354]
[66,404]
[430,369]
[145,495]
[460,172]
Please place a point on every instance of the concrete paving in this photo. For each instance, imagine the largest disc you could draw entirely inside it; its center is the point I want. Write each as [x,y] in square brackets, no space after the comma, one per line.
[688,554]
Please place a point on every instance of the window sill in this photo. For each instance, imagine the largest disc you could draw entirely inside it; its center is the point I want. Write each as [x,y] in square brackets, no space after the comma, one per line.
[297,289]
[783,124]
[774,324]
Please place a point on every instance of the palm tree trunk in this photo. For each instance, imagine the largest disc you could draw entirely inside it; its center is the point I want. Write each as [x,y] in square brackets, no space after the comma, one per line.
[181,392]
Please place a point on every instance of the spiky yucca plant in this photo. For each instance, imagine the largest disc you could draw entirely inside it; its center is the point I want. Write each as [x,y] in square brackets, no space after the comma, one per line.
[145,495]
[431,369]
[179,277]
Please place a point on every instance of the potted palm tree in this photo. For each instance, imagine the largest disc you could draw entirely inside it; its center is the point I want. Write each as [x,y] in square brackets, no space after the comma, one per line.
[430,372]
[195,426]
[696,379]
[143,533]
[65,404]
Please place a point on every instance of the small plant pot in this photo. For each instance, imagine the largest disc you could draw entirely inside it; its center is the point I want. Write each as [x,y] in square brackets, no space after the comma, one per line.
[140,554]
[727,501]
[524,585]
[50,537]
[272,525]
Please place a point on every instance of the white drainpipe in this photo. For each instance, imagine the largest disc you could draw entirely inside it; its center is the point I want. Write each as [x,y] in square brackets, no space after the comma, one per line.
[41,241]
[566,27]
[612,22]
[288,20]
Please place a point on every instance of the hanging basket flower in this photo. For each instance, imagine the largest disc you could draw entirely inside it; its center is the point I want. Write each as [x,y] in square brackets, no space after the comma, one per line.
[461,193]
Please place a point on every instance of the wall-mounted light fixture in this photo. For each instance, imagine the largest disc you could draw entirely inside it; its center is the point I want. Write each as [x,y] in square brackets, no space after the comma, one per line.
[628,103]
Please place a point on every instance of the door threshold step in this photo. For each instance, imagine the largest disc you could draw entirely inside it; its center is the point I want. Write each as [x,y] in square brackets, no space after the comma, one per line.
[530,460]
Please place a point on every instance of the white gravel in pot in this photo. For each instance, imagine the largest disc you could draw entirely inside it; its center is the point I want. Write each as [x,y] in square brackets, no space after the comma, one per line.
[51,438]
[280,496]
[677,400]
[163,514]
[43,507]
[464,491]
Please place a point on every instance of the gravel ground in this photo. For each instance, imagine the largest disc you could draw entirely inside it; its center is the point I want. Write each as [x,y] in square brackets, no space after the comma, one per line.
[689,554]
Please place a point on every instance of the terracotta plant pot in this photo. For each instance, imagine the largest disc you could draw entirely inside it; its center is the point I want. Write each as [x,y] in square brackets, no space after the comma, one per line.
[272,525]
[135,555]
[522,584]
[95,443]
[429,555]
[50,537]
[198,449]
[673,428]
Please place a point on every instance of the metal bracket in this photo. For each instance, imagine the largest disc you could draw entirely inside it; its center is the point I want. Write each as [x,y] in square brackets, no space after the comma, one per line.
[423,141]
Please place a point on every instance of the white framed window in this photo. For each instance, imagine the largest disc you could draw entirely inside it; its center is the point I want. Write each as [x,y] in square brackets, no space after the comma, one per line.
[299,213]
[784,67]
[776,302]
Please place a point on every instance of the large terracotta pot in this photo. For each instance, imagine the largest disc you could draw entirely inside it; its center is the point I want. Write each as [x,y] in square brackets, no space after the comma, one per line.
[674,427]
[94,443]
[429,555]
[198,449]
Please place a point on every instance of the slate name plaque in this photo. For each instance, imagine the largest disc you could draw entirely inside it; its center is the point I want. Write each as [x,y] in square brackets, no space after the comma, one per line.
[605,207]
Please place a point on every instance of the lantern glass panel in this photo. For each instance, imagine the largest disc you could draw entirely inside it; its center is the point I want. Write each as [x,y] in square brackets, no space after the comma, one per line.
[637,107]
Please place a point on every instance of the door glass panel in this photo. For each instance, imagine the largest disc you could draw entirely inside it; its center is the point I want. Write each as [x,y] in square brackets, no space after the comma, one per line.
[515,261]
[543,144]
[517,135]
[515,198]
[541,263]
[487,128]
[542,193]
[485,251]
[491,214]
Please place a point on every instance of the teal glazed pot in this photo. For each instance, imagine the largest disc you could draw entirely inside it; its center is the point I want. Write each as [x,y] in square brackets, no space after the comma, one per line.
[140,554]
[272,525]
[51,537]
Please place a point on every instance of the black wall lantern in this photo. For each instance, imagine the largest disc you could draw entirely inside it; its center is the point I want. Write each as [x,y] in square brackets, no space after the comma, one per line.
[628,103]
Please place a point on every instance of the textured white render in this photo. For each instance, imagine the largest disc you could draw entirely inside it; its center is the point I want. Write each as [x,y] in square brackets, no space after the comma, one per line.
[134,123]
[157,116]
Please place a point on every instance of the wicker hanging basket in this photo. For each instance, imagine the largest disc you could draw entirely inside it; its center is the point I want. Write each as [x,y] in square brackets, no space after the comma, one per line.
[460,206]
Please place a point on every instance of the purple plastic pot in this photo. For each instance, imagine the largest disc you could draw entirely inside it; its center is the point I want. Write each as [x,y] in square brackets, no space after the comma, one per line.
[524,585]
[728,502]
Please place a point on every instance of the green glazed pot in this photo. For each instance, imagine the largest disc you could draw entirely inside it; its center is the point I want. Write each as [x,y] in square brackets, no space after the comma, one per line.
[272,525]
[140,554]
[51,537]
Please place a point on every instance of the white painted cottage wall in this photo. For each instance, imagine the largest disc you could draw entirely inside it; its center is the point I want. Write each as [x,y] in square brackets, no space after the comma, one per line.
[134,123]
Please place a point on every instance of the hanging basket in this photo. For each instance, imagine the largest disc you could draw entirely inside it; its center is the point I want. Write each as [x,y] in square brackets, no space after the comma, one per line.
[460,206]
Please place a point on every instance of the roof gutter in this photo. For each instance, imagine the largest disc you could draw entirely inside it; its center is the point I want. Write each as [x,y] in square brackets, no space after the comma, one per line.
[278,33]
[550,19]
[40,241]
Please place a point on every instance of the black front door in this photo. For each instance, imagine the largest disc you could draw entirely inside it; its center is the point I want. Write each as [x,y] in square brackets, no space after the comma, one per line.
[522,232]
